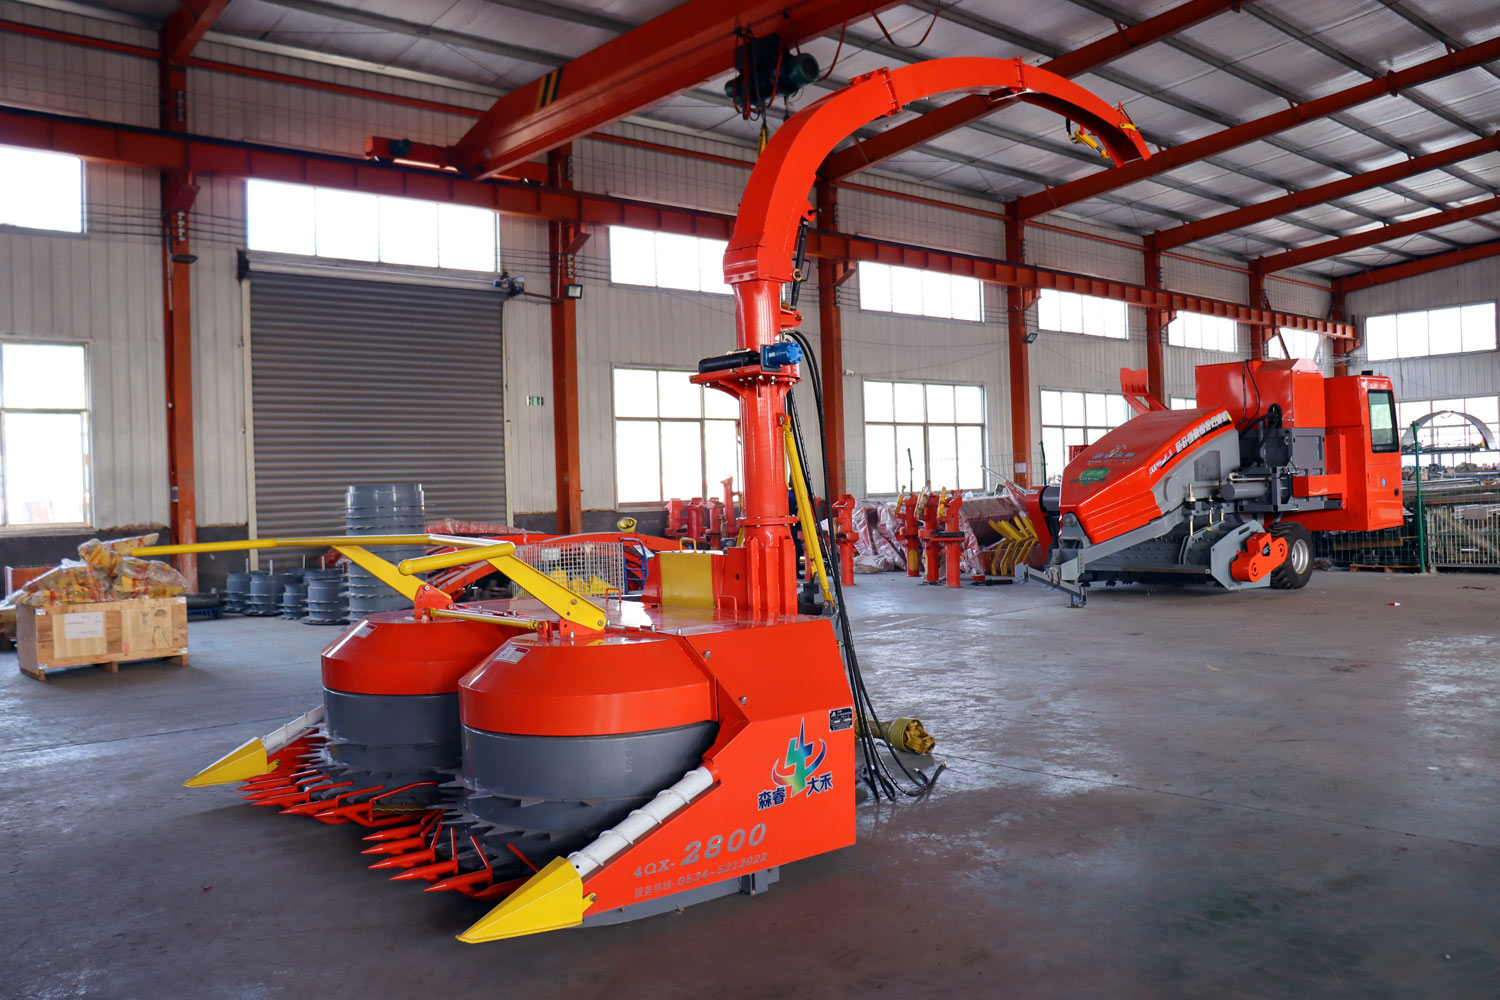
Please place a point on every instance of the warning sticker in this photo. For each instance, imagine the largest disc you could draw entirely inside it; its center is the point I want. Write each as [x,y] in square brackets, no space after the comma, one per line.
[511,654]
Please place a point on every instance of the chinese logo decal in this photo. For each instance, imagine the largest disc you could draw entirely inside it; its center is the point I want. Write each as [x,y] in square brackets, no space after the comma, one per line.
[798,772]
[1093,474]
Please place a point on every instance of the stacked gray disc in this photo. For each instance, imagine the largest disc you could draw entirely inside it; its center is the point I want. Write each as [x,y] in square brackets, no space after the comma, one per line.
[264,598]
[236,590]
[325,598]
[382,509]
[294,600]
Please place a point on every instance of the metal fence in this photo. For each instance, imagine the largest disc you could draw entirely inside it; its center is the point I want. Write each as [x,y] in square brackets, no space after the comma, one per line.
[1454,525]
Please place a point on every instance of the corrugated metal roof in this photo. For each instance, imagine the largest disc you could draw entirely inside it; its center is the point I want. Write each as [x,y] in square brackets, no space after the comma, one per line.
[1231,68]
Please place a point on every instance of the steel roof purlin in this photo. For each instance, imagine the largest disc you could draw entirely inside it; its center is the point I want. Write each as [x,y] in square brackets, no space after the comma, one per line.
[1218,142]
[970,109]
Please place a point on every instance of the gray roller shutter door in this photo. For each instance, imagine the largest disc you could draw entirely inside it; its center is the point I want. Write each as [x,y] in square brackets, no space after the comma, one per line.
[358,381]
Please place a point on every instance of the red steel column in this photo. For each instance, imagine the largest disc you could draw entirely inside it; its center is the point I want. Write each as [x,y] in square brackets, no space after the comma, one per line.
[1020,357]
[1257,301]
[177,195]
[561,244]
[1156,378]
[831,342]
[1341,347]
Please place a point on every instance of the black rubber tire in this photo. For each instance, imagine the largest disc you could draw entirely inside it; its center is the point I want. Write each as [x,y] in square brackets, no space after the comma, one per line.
[1298,568]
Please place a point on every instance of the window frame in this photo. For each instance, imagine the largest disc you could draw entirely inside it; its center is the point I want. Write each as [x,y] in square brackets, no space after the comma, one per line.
[86,413]
[1431,406]
[1043,426]
[1493,304]
[1287,333]
[1388,398]
[926,424]
[1176,332]
[83,205]
[380,239]
[657,286]
[701,420]
[877,311]
[1124,307]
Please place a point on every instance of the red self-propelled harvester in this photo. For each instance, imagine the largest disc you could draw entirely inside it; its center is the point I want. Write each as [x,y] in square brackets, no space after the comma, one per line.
[1230,491]
[610,763]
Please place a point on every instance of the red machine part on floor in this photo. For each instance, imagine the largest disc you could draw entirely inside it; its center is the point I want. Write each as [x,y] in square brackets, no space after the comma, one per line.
[689,745]
[942,536]
[909,510]
[844,537]
[1228,491]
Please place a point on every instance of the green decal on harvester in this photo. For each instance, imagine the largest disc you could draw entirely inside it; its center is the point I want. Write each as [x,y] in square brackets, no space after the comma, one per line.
[1093,474]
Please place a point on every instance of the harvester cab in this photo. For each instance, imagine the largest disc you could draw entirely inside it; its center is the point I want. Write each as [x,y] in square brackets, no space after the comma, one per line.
[1227,492]
[574,763]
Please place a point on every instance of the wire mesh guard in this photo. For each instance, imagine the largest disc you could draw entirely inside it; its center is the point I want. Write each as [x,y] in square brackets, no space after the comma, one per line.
[1461,528]
[588,569]
[1465,535]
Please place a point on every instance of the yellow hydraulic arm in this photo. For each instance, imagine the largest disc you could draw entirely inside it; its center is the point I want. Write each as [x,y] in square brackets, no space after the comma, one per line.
[811,546]
[571,608]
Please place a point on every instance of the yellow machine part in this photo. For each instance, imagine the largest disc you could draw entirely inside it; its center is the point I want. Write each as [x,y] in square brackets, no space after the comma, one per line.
[246,761]
[565,603]
[550,900]
[811,546]
[687,578]
[1018,538]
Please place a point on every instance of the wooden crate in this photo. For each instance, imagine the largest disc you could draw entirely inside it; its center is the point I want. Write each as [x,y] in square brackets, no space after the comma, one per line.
[107,634]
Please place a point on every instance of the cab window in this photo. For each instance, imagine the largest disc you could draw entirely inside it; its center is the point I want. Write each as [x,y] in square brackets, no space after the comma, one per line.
[1383,435]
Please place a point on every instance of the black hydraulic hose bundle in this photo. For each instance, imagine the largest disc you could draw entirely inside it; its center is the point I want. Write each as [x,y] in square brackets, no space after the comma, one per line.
[876,772]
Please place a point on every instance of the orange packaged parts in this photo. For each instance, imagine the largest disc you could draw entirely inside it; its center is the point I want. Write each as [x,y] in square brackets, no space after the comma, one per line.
[147,578]
[71,583]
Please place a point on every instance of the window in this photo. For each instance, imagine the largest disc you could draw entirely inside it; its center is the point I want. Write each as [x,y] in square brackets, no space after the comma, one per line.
[1208,333]
[1452,432]
[921,433]
[906,290]
[44,435]
[1069,312]
[41,190]
[1183,403]
[673,439]
[1456,330]
[1383,436]
[1302,344]
[666,260]
[352,225]
[1074,419]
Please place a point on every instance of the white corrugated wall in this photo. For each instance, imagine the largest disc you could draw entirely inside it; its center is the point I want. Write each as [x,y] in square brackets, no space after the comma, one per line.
[1442,377]
[618,325]
[104,289]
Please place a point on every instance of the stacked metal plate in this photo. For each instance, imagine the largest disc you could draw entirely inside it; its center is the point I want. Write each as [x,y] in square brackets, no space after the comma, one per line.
[382,509]
[294,600]
[325,601]
[236,590]
[264,598]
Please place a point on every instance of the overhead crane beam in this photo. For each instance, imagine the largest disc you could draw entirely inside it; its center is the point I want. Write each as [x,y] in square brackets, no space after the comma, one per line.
[1259,128]
[1238,218]
[956,114]
[1380,234]
[670,53]
[161,150]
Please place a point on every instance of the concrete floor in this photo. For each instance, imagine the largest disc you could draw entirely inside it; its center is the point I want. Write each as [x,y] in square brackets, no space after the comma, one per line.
[1175,794]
